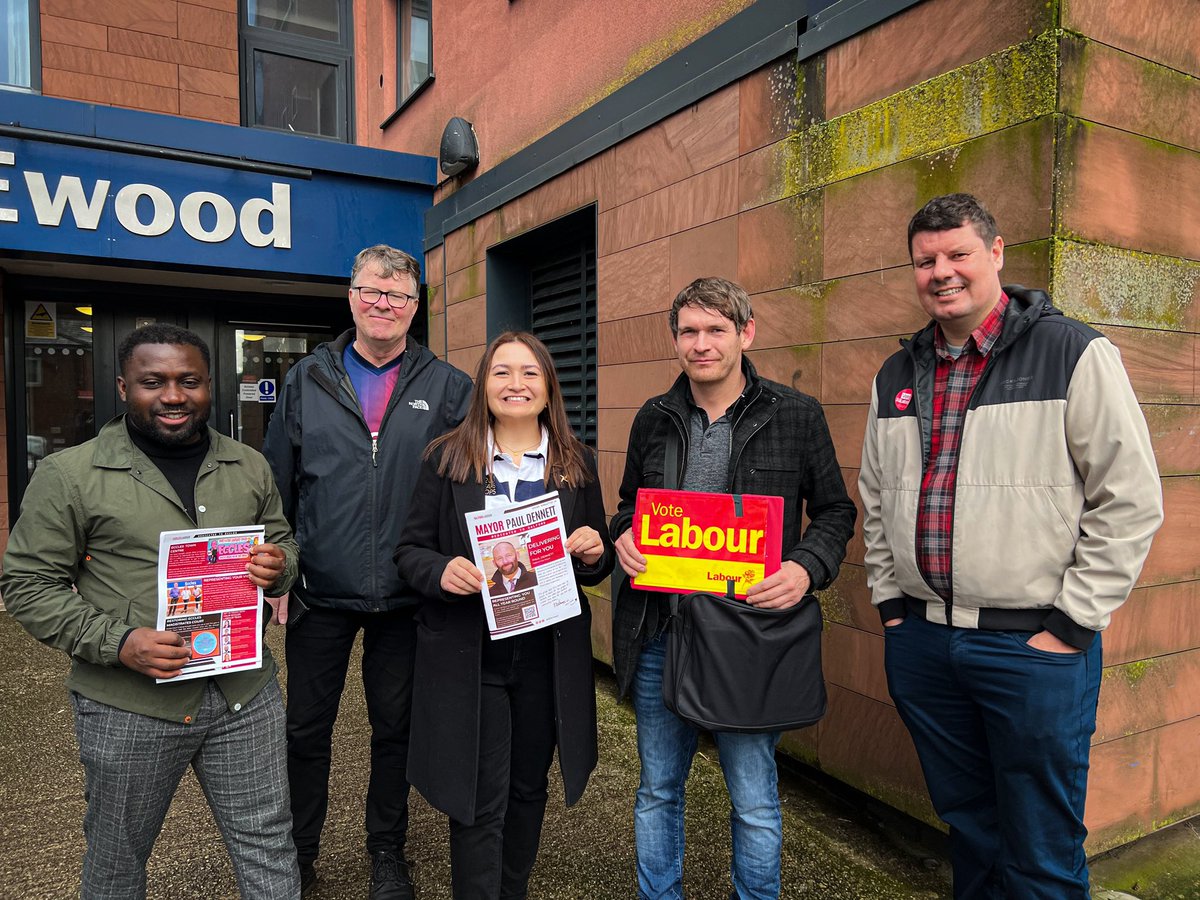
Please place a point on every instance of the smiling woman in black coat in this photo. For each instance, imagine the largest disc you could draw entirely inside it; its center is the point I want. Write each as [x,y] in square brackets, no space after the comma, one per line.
[488,714]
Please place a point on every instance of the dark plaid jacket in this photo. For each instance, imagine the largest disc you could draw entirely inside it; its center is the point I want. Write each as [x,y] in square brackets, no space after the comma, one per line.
[781,447]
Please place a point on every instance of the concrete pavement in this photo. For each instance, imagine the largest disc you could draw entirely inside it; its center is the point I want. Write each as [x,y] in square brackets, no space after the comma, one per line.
[587,851]
[831,850]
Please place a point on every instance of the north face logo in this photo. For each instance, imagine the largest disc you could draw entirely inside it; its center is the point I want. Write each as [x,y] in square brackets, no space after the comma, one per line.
[419,404]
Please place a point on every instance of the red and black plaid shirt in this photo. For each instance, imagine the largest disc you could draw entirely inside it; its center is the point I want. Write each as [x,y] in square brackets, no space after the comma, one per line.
[954,383]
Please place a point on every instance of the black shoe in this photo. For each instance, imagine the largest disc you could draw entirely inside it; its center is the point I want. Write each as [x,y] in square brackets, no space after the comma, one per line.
[308,878]
[389,877]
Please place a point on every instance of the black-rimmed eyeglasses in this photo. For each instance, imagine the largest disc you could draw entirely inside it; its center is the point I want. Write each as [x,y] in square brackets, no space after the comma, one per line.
[369,296]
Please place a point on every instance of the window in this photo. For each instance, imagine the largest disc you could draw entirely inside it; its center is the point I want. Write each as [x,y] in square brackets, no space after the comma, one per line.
[414,47]
[19,43]
[296,66]
[545,281]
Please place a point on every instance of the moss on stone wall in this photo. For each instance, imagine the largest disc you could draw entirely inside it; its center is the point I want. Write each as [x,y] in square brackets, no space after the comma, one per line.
[835,607]
[1156,98]
[1132,673]
[1113,286]
[1006,88]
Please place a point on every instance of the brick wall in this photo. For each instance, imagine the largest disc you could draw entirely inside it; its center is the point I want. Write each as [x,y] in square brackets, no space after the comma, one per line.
[1075,122]
[164,56]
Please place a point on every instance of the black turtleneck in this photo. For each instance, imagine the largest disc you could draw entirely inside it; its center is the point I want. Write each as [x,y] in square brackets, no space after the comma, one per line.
[180,463]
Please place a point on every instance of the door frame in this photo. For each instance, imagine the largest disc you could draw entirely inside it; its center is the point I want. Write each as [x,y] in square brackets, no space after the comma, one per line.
[116,306]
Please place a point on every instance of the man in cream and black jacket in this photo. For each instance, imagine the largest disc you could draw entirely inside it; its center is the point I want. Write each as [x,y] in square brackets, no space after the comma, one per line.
[1010,495]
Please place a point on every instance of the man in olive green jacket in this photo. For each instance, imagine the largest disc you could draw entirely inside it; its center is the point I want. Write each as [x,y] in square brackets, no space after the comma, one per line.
[80,574]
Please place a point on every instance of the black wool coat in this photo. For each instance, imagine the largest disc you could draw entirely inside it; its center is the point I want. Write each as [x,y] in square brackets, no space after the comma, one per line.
[780,447]
[443,750]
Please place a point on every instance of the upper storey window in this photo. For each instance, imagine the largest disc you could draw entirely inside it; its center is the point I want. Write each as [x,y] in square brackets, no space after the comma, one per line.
[18,43]
[414,46]
[296,66]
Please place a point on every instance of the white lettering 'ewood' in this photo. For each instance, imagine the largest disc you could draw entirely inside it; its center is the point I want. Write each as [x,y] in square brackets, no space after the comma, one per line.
[7,214]
[86,210]
[127,213]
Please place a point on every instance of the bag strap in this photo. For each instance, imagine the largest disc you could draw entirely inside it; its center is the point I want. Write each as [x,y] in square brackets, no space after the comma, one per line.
[671,462]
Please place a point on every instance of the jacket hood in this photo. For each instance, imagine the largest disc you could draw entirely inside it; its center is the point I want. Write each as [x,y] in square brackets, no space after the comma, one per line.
[1026,306]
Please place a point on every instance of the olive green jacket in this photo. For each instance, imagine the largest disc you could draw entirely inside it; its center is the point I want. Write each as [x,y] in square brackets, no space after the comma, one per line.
[82,560]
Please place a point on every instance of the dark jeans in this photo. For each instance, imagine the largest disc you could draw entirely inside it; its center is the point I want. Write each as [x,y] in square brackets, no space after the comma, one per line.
[492,857]
[318,654]
[1003,731]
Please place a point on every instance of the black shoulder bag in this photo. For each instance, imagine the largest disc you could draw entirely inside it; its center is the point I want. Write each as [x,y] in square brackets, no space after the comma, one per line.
[734,667]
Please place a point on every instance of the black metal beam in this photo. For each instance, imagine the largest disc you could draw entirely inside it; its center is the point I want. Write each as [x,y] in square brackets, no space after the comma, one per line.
[188,156]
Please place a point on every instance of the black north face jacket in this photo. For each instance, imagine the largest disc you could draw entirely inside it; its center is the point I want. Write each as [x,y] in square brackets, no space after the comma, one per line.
[346,496]
[780,447]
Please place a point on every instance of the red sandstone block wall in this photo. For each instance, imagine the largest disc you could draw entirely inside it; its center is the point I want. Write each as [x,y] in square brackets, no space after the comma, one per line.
[516,70]
[166,56]
[1130,173]
[1103,181]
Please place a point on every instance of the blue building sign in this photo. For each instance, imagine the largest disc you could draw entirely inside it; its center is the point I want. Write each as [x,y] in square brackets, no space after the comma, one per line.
[303,215]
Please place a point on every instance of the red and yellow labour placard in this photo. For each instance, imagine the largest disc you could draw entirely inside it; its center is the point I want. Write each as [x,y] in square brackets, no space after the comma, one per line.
[701,542]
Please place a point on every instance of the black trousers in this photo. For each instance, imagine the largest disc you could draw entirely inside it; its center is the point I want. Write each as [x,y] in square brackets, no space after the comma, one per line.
[318,655]
[492,857]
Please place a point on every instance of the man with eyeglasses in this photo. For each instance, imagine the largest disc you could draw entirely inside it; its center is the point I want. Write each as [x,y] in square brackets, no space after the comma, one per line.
[345,444]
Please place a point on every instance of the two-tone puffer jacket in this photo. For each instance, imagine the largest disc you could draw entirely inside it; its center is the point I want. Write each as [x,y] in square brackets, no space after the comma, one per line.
[1057,493]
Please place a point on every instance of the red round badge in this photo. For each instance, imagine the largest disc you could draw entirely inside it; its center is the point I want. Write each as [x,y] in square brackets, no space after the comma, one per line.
[903,399]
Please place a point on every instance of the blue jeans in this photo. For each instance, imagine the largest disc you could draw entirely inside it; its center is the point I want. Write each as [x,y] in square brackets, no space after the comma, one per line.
[1003,731]
[666,745]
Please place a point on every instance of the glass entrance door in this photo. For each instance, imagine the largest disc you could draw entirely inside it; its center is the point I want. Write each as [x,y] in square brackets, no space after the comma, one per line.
[59,392]
[255,359]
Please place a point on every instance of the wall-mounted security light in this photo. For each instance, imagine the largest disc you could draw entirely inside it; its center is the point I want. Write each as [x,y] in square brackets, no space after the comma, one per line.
[460,149]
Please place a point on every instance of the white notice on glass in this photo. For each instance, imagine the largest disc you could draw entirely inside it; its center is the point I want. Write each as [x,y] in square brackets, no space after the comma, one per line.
[205,595]
[522,552]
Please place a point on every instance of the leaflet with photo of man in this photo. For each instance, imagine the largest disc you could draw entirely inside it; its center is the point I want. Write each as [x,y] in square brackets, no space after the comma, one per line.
[522,551]
[205,595]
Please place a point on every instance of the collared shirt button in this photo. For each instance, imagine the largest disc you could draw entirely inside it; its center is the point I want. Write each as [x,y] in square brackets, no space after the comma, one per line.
[202,509]
[237,707]
[187,720]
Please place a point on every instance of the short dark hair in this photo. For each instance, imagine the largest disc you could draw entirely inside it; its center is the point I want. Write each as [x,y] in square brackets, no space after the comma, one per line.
[717,295]
[952,211]
[161,333]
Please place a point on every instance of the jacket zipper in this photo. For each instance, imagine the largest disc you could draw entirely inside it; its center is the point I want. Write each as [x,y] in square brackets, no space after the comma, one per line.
[683,437]
[758,426]
[987,368]
[343,392]
[925,463]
